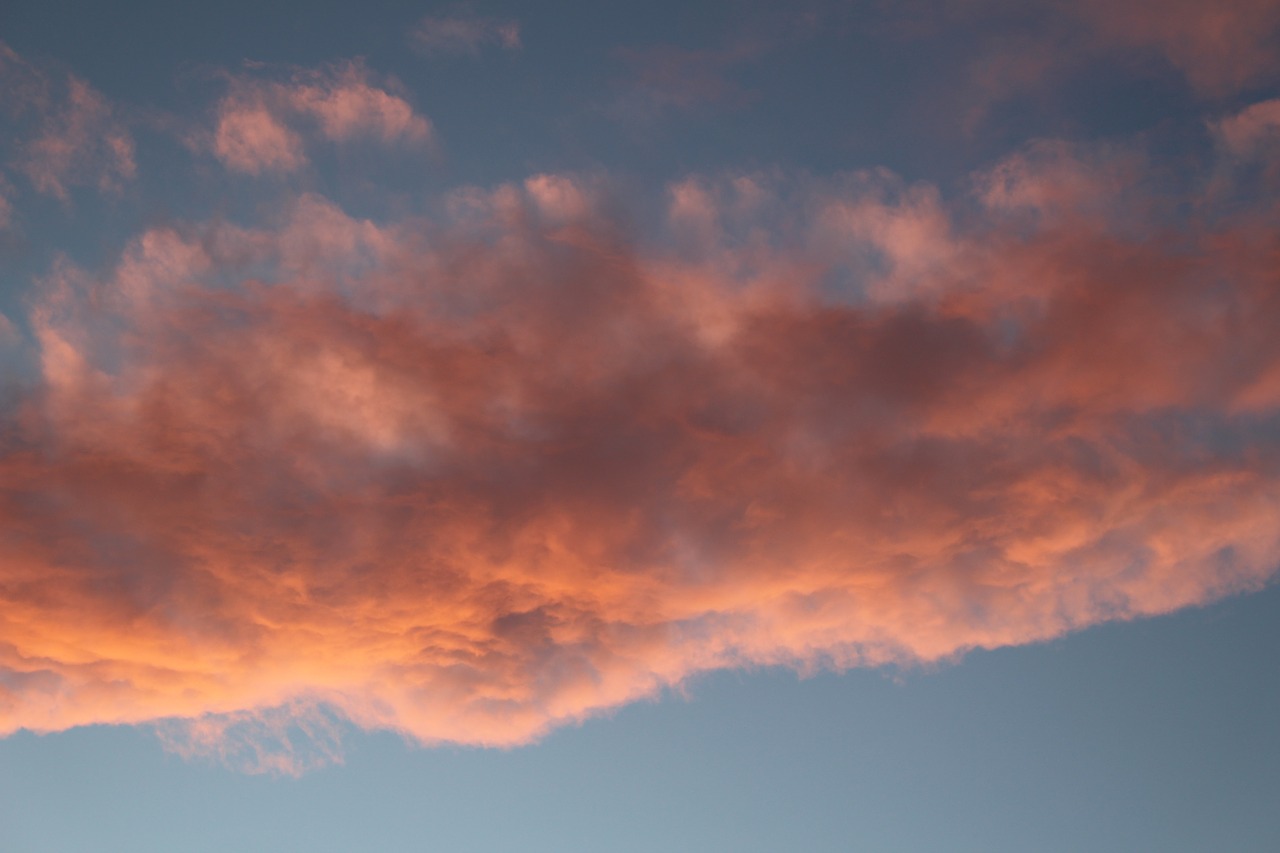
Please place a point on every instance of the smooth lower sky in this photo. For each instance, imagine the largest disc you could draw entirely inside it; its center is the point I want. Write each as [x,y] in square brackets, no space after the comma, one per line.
[618,426]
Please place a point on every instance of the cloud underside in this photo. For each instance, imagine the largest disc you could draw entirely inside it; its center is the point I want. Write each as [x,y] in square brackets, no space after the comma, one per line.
[475,478]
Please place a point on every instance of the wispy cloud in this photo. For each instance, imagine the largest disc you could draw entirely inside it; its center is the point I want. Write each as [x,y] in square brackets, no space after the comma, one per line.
[666,77]
[69,135]
[1218,49]
[8,334]
[464,33]
[6,205]
[1252,131]
[250,139]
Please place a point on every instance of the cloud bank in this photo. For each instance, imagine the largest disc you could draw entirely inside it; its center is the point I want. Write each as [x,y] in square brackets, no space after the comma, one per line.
[475,476]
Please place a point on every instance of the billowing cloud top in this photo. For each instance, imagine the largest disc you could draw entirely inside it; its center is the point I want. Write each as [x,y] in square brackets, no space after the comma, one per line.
[473,474]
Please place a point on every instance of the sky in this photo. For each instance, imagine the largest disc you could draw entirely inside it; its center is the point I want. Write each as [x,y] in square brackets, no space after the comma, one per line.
[666,426]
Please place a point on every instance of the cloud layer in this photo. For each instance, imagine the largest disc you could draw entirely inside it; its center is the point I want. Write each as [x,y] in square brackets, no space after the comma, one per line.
[475,477]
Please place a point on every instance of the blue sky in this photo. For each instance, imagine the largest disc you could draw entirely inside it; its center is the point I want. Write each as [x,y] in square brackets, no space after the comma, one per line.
[713,426]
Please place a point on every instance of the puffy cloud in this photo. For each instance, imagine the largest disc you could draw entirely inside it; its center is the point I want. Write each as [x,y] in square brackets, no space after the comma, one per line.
[250,139]
[472,479]
[258,123]
[25,87]
[464,32]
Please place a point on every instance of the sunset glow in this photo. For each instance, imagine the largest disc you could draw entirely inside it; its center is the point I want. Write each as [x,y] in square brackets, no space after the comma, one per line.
[312,425]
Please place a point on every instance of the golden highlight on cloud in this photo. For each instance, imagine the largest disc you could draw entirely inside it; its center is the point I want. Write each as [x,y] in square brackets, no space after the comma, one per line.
[474,478]
[260,125]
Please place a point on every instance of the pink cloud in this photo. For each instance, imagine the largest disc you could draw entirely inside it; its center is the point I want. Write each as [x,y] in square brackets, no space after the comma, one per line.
[472,479]
[249,139]
[260,123]
[1218,48]
[1221,47]
[464,33]
[1052,178]
[348,106]
[24,87]
[72,139]
[80,143]
[1251,131]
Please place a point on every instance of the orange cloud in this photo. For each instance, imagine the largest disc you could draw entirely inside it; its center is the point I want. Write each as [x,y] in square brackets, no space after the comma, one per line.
[474,479]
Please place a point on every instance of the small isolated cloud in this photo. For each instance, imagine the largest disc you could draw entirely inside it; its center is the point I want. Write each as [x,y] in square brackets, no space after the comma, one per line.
[250,139]
[464,33]
[1219,48]
[68,134]
[261,125]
